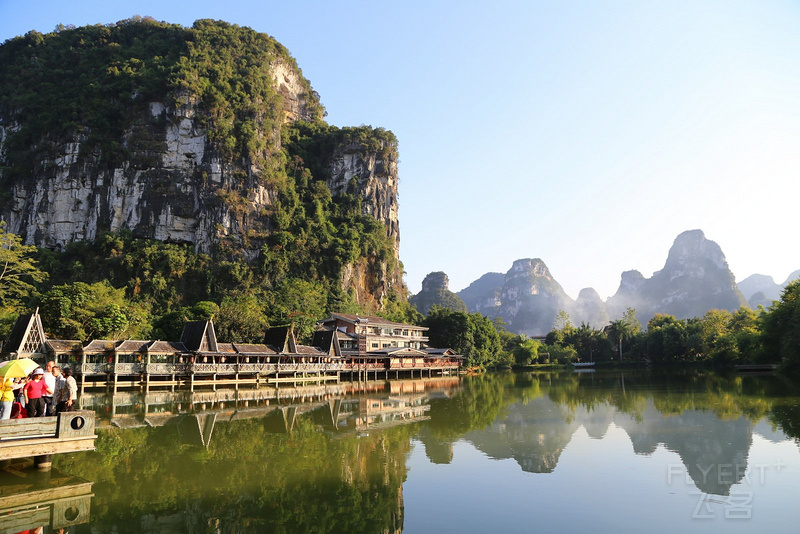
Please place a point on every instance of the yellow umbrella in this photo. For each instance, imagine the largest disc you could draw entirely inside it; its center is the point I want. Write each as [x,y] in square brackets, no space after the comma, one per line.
[18,368]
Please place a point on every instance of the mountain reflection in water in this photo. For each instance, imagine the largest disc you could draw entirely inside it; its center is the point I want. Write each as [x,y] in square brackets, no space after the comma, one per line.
[334,458]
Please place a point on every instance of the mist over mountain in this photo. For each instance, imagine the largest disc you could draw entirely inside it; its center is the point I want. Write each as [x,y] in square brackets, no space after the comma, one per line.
[483,295]
[761,289]
[695,278]
[528,298]
[589,308]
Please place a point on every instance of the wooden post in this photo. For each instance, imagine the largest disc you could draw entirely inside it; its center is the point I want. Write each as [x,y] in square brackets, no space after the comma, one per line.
[43,462]
[114,370]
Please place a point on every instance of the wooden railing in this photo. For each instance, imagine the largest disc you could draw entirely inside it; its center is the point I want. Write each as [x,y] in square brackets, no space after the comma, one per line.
[219,368]
[264,368]
[365,366]
[166,368]
[95,368]
[257,368]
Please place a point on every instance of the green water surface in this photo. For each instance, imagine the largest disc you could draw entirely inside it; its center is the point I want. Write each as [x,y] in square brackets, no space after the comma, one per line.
[510,452]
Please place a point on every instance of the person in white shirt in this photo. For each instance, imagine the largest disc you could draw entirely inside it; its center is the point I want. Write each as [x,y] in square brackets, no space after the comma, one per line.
[50,380]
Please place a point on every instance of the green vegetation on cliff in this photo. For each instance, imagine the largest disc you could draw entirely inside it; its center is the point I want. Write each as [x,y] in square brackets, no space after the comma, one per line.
[96,81]
[95,85]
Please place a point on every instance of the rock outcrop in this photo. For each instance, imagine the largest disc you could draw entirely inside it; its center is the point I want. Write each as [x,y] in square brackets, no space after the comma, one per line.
[436,292]
[531,298]
[371,175]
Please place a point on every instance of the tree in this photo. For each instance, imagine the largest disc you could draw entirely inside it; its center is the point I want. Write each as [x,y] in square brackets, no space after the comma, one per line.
[241,318]
[18,269]
[666,339]
[562,321]
[625,328]
[589,343]
[301,302]
[470,334]
[526,350]
[781,328]
[86,311]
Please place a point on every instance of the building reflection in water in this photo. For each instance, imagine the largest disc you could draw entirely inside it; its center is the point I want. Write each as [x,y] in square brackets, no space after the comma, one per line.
[342,407]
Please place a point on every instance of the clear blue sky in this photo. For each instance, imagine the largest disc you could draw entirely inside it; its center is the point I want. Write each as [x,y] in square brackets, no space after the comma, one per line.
[588,134]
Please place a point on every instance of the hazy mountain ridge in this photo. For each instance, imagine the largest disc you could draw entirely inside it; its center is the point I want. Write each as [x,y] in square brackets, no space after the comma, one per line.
[761,289]
[695,278]
[528,298]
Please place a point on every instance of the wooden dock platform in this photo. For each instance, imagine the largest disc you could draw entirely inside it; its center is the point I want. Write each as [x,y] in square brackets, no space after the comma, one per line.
[40,437]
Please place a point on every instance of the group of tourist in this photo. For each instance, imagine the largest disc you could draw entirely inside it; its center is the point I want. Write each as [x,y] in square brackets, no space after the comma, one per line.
[48,391]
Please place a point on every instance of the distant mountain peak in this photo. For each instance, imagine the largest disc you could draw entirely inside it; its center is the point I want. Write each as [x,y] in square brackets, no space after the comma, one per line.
[695,279]
[630,282]
[436,280]
[792,277]
[529,267]
[691,248]
[436,292]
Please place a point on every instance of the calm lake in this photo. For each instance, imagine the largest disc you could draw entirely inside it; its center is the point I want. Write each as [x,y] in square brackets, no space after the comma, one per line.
[506,452]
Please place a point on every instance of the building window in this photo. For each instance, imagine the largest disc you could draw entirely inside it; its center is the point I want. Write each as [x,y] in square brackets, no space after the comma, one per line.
[374,345]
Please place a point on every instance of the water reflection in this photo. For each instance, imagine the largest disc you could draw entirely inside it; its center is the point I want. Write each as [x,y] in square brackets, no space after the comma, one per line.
[333,458]
[52,500]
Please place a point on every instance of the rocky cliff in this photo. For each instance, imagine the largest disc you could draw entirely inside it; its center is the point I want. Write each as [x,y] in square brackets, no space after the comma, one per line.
[531,298]
[181,135]
[436,292]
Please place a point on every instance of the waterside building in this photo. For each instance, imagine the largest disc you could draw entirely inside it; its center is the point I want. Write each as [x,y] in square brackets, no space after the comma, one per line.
[355,346]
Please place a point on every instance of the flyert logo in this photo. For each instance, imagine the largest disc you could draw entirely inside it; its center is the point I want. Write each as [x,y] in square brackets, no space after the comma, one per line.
[739,503]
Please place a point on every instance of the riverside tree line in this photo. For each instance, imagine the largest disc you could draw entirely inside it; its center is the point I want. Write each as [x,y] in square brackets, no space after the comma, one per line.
[121,287]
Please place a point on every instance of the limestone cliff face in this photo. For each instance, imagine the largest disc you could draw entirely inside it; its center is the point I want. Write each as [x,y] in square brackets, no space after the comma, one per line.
[171,188]
[372,176]
[176,182]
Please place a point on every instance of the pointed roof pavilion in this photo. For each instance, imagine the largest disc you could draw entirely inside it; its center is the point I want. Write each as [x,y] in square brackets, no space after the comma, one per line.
[27,337]
[199,336]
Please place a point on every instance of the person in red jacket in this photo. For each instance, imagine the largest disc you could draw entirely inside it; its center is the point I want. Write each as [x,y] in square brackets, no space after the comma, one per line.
[35,390]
